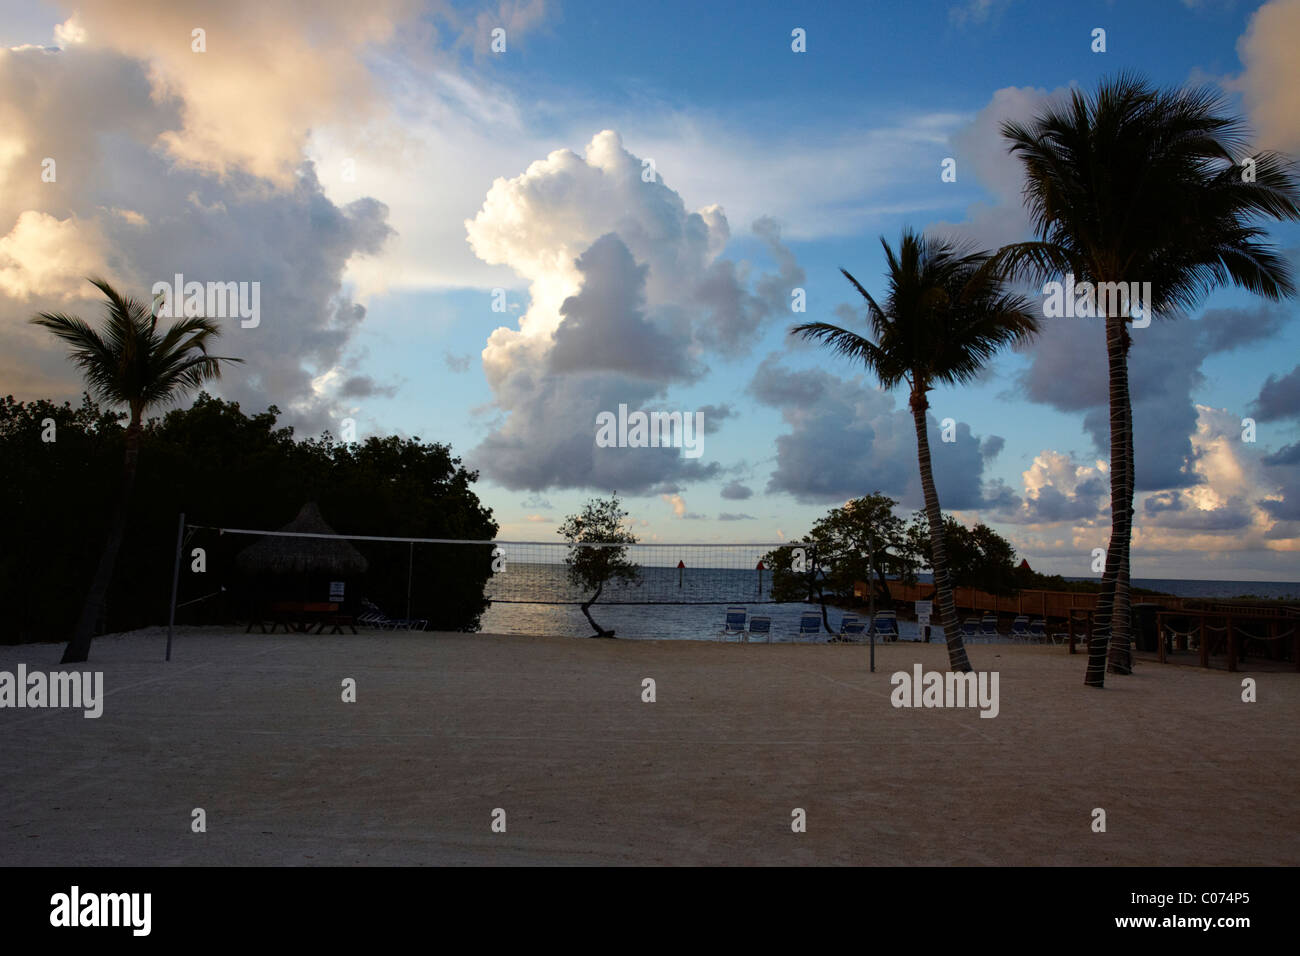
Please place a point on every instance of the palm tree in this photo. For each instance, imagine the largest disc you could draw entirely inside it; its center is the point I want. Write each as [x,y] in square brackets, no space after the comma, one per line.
[1139,185]
[130,363]
[945,316]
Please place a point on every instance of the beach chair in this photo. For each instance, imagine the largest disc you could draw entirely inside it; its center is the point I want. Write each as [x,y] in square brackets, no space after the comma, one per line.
[1020,628]
[735,622]
[970,629]
[989,628]
[1038,630]
[810,622]
[372,616]
[759,624]
[887,625]
[851,628]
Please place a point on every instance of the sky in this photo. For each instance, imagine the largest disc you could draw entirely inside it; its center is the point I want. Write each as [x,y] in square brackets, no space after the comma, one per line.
[486,224]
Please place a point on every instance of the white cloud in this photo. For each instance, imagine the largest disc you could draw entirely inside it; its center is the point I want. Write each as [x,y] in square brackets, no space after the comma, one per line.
[1270,83]
[47,257]
[628,294]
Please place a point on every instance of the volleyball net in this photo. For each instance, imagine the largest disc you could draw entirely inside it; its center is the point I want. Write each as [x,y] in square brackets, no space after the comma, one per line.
[449,582]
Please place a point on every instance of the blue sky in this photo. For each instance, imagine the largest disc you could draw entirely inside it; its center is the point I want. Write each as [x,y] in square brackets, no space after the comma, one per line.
[379,285]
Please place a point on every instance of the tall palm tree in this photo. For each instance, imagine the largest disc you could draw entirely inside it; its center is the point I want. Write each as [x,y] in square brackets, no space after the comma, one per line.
[129,362]
[1138,185]
[945,316]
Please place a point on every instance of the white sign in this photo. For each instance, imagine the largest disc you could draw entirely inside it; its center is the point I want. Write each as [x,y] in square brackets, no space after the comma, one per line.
[923,610]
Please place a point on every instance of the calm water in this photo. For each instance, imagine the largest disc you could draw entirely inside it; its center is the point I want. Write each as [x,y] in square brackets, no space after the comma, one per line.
[704,621]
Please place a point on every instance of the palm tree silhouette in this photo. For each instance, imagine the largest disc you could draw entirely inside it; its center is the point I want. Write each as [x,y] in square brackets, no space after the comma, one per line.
[130,363]
[1138,185]
[946,314]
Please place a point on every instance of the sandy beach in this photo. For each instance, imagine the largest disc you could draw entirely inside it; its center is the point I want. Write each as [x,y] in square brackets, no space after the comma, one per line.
[448,727]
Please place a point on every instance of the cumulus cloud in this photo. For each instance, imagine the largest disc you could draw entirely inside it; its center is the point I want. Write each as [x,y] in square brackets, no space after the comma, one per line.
[1239,499]
[1270,81]
[981,154]
[1059,489]
[847,437]
[122,207]
[628,296]
[1067,370]
[604,326]
[242,103]
[44,257]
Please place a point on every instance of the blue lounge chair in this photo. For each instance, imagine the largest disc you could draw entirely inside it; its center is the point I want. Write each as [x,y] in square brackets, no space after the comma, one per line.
[1038,630]
[851,628]
[887,625]
[735,622]
[810,622]
[989,628]
[970,629]
[759,624]
[1020,628]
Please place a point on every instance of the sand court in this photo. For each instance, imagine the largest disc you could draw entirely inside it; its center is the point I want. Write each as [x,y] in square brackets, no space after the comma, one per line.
[447,728]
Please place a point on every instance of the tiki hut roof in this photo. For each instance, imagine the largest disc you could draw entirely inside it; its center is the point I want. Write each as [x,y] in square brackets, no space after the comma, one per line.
[276,555]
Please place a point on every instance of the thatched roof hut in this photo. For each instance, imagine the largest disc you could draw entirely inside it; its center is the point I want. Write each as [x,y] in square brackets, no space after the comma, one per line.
[313,556]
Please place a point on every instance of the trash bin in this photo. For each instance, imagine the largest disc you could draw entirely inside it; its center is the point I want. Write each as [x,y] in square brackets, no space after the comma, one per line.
[1144,627]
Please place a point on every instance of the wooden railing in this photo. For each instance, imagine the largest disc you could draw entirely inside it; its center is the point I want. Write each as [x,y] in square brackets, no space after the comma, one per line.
[1045,604]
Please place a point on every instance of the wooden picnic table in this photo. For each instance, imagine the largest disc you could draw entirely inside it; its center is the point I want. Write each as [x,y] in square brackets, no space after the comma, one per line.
[302,616]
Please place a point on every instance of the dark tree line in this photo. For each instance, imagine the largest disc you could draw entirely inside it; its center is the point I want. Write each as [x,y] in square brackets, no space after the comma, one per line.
[222,467]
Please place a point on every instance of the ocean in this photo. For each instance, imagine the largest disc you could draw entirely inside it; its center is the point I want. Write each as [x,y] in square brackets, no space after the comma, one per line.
[657,620]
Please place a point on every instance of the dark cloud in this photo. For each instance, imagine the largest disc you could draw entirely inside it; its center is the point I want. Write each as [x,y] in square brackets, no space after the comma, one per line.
[714,415]
[729,516]
[991,446]
[363,386]
[549,439]
[1279,397]
[1051,504]
[604,326]
[735,491]
[847,438]
[1173,509]
[99,119]
[1286,455]
[1068,371]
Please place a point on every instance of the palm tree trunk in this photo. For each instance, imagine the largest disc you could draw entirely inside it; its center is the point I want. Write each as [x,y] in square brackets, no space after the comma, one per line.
[1120,654]
[1111,620]
[78,649]
[957,659]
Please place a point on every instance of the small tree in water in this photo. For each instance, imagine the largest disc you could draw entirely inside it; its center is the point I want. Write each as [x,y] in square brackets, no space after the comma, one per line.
[591,568]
